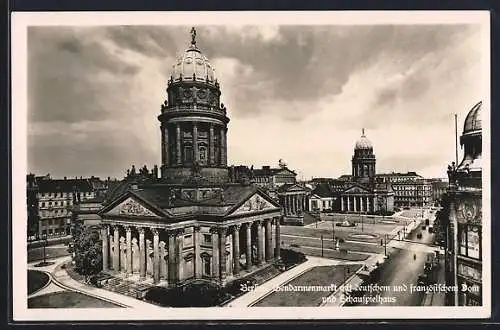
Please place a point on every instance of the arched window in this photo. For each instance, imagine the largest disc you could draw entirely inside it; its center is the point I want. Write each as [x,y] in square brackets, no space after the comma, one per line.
[206,262]
[188,154]
[203,154]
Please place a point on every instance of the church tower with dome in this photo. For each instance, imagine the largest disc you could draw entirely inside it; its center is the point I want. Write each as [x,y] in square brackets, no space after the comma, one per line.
[190,223]
[363,160]
[193,121]
[361,193]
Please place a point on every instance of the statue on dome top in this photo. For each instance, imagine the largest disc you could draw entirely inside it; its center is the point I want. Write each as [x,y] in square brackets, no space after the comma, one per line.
[193,36]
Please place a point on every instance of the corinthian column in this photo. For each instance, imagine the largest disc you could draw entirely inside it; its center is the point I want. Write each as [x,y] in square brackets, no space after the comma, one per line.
[215,252]
[212,145]
[129,249]
[178,143]
[260,242]
[195,143]
[249,245]
[269,240]
[166,149]
[156,256]
[197,259]
[105,248]
[277,239]
[142,254]
[223,160]
[116,251]
[171,258]
[222,252]
[236,249]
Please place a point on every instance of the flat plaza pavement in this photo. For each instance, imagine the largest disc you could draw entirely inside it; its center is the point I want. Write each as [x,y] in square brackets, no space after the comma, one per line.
[61,278]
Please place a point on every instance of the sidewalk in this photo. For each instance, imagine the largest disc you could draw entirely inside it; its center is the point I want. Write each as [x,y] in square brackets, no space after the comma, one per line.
[268,287]
[61,278]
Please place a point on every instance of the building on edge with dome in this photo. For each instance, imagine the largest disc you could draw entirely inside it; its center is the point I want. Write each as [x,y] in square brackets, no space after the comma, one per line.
[460,220]
[187,220]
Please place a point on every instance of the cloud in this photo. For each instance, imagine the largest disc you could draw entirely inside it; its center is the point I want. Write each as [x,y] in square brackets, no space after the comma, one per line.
[301,93]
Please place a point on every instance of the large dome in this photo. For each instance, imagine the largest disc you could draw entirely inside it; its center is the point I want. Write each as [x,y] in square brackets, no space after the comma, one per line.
[473,119]
[193,65]
[363,143]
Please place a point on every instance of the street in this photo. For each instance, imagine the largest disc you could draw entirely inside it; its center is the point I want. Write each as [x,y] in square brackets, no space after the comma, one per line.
[402,269]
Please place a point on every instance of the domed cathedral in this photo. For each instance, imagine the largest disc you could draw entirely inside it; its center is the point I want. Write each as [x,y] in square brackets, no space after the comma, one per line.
[363,160]
[461,218]
[190,222]
[362,193]
[193,121]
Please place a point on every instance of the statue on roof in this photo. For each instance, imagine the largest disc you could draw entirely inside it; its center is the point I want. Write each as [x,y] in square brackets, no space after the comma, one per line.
[193,36]
[282,163]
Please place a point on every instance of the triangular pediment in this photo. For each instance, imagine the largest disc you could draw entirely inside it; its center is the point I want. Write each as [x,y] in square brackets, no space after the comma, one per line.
[356,189]
[132,207]
[286,171]
[295,187]
[255,203]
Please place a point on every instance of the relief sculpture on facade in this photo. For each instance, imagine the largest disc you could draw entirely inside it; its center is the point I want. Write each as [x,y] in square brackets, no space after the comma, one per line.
[131,207]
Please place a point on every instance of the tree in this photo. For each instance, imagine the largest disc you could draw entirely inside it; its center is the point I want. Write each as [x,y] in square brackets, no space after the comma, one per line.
[87,252]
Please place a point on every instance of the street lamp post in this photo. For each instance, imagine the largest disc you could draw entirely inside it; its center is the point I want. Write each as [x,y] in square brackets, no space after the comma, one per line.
[333,234]
[362,220]
[385,245]
[347,271]
[44,236]
[321,245]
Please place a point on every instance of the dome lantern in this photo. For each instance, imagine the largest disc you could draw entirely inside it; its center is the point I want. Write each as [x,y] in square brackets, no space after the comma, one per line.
[193,65]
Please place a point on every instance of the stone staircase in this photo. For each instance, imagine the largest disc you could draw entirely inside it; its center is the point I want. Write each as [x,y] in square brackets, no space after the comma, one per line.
[126,287]
[265,274]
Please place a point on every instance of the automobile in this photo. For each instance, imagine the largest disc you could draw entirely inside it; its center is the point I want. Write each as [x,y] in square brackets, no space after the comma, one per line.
[406,208]
[422,279]
[419,235]
[428,267]
[431,229]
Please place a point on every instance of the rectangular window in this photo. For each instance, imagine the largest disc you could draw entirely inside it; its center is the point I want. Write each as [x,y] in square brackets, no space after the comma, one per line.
[188,240]
[473,242]
[207,238]
[206,267]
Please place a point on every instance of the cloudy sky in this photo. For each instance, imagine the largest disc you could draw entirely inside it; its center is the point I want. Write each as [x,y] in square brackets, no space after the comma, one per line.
[300,93]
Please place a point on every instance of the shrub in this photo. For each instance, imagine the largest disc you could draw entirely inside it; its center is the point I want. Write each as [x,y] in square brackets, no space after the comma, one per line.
[240,286]
[291,257]
[194,294]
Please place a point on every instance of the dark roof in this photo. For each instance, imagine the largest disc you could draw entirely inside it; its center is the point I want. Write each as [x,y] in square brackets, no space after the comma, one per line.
[323,190]
[268,171]
[65,185]
[397,174]
[166,196]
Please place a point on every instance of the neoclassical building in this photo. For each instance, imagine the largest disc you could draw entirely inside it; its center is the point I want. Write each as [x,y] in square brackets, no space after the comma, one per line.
[363,193]
[190,222]
[280,184]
